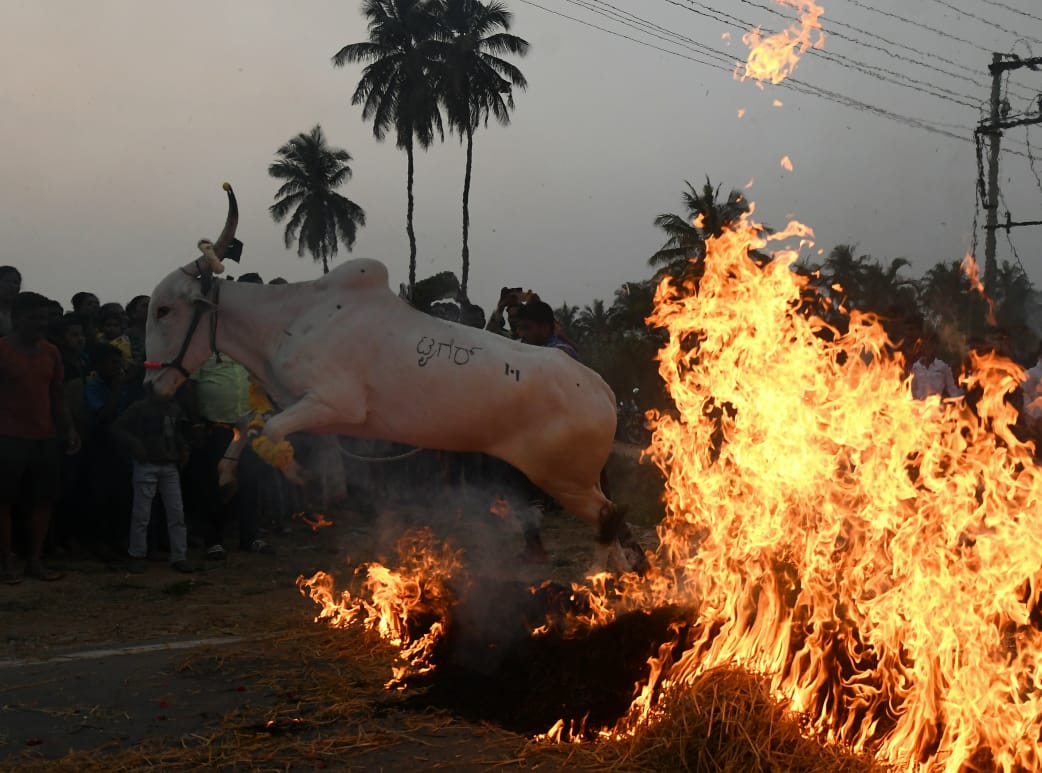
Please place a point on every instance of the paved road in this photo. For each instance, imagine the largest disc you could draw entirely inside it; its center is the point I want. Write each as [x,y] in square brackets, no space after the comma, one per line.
[88,699]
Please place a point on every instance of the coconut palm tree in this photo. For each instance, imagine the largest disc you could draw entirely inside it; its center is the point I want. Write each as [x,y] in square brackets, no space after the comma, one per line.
[321,218]
[567,317]
[634,302]
[595,321]
[396,89]
[866,284]
[704,216]
[473,81]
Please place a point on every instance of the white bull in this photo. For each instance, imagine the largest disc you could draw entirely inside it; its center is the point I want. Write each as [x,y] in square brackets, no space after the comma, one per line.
[345,355]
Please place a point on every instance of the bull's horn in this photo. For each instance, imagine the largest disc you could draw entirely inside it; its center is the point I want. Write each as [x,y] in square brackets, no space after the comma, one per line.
[224,241]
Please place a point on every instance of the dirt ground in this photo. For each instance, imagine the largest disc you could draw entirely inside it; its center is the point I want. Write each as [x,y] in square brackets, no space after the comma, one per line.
[225,668]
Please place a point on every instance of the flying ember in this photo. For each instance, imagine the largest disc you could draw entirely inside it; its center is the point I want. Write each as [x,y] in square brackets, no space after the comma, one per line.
[773,58]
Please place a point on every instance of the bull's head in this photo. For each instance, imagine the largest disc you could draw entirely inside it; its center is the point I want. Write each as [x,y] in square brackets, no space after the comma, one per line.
[177,341]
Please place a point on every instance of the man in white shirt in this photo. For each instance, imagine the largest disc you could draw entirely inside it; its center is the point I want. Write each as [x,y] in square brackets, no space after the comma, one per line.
[932,376]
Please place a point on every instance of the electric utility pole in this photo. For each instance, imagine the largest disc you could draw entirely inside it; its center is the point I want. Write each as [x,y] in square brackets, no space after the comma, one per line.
[1000,63]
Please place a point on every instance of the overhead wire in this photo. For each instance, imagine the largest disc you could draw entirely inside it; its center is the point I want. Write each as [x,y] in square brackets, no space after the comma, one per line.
[828,30]
[983,20]
[1009,234]
[719,60]
[1031,157]
[831,24]
[876,71]
[1010,8]
[914,23]
[748,25]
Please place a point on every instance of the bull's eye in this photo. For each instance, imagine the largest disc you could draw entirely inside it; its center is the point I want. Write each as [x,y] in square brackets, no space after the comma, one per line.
[162,311]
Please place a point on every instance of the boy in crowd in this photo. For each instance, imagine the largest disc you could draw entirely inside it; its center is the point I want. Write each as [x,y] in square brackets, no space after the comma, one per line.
[110,331]
[33,417]
[153,432]
[72,343]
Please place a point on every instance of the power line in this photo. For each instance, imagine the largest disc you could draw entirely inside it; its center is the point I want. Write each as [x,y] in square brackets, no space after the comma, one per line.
[1031,157]
[983,20]
[866,68]
[624,36]
[717,58]
[976,81]
[866,33]
[1015,10]
[914,23]
[747,25]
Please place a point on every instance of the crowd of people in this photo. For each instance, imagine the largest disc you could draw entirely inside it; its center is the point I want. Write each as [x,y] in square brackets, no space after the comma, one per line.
[85,448]
[91,462]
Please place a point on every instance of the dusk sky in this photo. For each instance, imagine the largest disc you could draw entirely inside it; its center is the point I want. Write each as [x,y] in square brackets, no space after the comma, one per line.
[121,120]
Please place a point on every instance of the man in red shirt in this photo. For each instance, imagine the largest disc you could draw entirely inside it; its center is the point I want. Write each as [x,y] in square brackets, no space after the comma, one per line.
[33,416]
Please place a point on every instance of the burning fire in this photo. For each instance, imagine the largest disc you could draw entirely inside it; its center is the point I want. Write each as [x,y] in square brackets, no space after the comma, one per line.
[407,606]
[315,520]
[878,558]
[774,58]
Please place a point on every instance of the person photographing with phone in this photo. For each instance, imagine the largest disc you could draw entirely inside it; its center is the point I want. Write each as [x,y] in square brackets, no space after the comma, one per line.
[503,321]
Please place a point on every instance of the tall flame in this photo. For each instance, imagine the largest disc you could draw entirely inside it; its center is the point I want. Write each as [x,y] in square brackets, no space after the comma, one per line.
[877,557]
[774,58]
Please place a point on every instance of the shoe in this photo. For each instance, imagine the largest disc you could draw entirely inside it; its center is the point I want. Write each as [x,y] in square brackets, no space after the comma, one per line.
[10,577]
[136,565]
[215,553]
[38,571]
[260,546]
[185,567]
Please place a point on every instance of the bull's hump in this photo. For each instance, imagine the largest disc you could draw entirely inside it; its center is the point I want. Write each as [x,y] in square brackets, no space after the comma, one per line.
[361,273]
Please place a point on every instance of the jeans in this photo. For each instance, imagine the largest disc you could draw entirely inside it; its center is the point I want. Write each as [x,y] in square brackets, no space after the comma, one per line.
[147,477]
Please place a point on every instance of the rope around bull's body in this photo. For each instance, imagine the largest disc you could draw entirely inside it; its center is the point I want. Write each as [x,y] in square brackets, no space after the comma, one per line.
[378,459]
